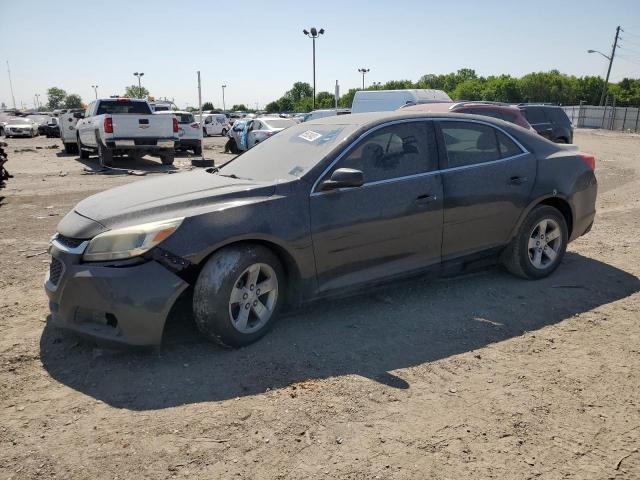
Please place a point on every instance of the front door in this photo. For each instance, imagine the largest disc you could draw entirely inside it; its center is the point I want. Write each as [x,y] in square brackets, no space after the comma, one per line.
[390,225]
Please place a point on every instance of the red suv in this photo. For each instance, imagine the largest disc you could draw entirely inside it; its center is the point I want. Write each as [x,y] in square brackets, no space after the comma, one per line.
[507,113]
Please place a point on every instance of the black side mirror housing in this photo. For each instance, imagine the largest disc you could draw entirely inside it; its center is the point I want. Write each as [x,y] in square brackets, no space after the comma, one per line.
[343,178]
[78,115]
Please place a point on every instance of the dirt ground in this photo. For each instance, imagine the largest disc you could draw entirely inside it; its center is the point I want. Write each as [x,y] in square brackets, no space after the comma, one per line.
[480,376]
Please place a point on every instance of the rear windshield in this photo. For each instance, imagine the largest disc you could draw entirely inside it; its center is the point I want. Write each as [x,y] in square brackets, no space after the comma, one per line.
[123,106]
[279,123]
[184,117]
[289,153]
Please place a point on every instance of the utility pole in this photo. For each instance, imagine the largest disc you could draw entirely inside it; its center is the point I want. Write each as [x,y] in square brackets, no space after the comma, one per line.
[314,33]
[224,106]
[95,90]
[613,52]
[201,162]
[363,71]
[13,98]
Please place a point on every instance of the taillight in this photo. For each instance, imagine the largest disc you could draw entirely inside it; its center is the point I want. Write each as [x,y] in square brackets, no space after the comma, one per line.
[176,128]
[195,125]
[589,159]
[108,125]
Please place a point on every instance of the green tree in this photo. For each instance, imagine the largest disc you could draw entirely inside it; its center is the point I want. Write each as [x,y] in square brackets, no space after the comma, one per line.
[468,90]
[501,89]
[73,100]
[239,108]
[299,91]
[397,85]
[208,106]
[346,100]
[285,104]
[272,107]
[325,100]
[133,91]
[55,98]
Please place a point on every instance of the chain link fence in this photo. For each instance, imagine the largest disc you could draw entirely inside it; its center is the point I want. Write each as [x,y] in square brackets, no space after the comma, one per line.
[607,117]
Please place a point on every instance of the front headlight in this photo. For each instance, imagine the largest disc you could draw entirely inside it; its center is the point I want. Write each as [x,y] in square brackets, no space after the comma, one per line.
[130,241]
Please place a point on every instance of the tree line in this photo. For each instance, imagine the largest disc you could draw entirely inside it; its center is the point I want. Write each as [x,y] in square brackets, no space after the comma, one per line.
[465,84]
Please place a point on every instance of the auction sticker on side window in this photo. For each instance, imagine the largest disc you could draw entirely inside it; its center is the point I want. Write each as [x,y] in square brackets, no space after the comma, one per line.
[310,135]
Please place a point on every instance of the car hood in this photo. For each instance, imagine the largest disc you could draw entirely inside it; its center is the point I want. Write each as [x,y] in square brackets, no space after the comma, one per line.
[17,125]
[171,196]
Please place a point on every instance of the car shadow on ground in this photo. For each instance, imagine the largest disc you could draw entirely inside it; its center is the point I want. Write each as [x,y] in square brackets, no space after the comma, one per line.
[123,164]
[404,324]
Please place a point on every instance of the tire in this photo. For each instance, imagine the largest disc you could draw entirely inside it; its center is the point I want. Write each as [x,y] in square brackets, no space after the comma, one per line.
[105,156]
[233,146]
[230,274]
[204,132]
[197,150]
[560,140]
[223,132]
[70,148]
[83,153]
[167,158]
[528,255]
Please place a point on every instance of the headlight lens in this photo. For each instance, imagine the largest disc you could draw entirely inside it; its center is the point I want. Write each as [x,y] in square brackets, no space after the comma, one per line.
[130,241]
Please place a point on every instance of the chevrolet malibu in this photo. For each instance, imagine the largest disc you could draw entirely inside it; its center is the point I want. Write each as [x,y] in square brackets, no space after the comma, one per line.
[322,208]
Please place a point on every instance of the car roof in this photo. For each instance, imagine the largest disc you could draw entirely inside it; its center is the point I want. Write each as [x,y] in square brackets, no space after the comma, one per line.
[372,118]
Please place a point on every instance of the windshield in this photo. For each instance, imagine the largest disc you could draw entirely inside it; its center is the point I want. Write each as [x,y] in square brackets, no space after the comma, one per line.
[18,121]
[279,122]
[39,118]
[123,106]
[288,154]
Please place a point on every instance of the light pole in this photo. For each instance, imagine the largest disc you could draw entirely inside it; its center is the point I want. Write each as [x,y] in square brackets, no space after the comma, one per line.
[610,58]
[224,106]
[95,90]
[363,71]
[139,75]
[312,33]
[376,85]
[37,96]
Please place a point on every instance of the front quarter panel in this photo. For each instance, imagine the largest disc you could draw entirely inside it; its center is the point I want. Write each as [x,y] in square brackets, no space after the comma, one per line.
[281,219]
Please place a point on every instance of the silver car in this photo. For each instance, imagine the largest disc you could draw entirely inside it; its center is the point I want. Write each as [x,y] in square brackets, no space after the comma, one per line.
[259,129]
[20,127]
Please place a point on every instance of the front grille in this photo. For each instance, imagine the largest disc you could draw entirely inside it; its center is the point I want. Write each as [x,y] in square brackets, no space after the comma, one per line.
[55,271]
[68,241]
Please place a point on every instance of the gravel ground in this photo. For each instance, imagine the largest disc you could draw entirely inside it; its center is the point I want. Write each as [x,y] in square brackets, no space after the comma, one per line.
[479,376]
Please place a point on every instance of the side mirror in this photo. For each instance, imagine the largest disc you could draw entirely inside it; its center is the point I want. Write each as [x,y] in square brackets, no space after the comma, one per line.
[343,178]
[78,115]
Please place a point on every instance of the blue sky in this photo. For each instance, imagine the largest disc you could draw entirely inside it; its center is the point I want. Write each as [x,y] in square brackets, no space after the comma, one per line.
[257,47]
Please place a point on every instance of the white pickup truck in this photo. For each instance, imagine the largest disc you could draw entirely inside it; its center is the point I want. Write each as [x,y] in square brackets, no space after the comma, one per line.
[116,126]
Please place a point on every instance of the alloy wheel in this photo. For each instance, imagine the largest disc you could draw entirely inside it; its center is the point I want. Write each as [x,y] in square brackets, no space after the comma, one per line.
[253,298]
[545,243]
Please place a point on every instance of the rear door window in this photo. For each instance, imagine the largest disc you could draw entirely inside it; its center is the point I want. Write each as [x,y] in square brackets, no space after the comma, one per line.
[508,148]
[558,115]
[469,143]
[535,115]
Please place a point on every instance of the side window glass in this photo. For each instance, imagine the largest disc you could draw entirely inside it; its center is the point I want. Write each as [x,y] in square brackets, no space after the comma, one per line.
[469,143]
[394,151]
[508,147]
[534,115]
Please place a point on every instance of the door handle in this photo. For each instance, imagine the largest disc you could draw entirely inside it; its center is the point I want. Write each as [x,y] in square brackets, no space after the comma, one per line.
[426,198]
[517,180]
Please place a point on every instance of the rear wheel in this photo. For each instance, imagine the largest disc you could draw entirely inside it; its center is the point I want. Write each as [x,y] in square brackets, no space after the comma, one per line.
[223,132]
[105,156]
[236,297]
[167,158]
[540,244]
[70,148]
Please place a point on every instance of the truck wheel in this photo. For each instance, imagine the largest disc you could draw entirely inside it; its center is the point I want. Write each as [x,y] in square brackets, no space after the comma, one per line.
[238,294]
[167,158]
[105,156]
[197,150]
[83,153]
[223,132]
[70,148]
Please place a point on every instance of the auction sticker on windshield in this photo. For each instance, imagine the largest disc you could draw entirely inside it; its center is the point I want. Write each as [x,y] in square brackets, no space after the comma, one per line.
[310,135]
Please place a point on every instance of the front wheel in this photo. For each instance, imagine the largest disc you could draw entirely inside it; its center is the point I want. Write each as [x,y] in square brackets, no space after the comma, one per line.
[238,294]
[223,132]
[540,244]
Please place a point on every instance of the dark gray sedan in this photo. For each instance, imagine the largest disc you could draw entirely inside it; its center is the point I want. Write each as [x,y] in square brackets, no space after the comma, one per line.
[321,208]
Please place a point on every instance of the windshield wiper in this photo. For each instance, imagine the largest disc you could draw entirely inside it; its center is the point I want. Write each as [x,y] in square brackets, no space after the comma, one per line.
[234,176]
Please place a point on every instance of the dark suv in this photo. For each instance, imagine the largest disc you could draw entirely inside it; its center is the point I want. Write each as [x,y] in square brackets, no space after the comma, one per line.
[549,121]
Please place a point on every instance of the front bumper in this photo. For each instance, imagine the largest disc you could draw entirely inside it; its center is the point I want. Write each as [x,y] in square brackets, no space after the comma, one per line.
[118,305]
[20,133]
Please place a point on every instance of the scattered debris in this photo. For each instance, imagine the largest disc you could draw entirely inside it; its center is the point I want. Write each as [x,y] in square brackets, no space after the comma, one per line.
[30,255]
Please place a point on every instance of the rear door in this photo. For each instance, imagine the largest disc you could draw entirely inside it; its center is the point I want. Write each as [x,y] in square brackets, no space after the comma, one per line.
[487,181]
[390,225]
[539,121]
